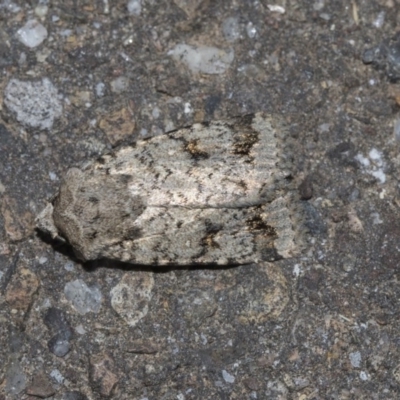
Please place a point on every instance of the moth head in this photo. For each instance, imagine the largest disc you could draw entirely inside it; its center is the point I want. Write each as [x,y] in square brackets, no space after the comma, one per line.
[92,212]
[58,220]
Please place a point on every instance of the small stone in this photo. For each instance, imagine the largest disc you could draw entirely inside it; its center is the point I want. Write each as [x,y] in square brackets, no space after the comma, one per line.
[17,225]
[56,321]
[319,5]
[349,263]
[21,289]
[276,8]
[100,89]
[57,376]
[59,346]
[80,329]
[41,10]
[355,359]
[228,378]
[131,297]
[364,376]
[15,381]
[370,55]
[41,386]
[32,33]
[251,30]
[354,222]
[379,20]
[120,84]
[42,260]
[82,297]
[36,103]
[205,59]
[325,16]
[134,7]
[102,375]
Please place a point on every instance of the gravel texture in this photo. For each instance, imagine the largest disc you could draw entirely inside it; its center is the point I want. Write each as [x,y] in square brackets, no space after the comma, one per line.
[85,77]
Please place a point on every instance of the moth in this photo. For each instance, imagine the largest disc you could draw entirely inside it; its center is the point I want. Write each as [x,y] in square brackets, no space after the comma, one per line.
[215,193]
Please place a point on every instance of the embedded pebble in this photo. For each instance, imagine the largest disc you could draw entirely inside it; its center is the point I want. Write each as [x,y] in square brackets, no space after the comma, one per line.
[82,297]
[56,321]
[41,10]
[32,34]
[120,84]
[380,20]
[41,386]
[251,30]
[59,346]
[130,298]
[205,59]
[319,5]
[231,29]
[373,164]
[36,103]
[134,7]
[103,374]
[355,359]
[100,89]
[228,378]
[276,8]
[57,376]
[15,381]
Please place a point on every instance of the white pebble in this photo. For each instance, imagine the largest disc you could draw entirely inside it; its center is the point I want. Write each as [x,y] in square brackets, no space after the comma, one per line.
[83,298]
[355,359]
[134,7]
[228,377]
[188,108]
[206,59]
[36,103]
[119,84]
[251,30]
[276,8]
[380,20]
[57,376]
[100,89]
[32,33]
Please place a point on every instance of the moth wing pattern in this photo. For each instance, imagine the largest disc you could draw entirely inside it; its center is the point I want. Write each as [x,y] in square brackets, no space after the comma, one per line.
[214,193]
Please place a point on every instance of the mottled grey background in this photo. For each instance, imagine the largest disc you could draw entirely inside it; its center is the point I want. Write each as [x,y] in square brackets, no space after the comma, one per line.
[81,77]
